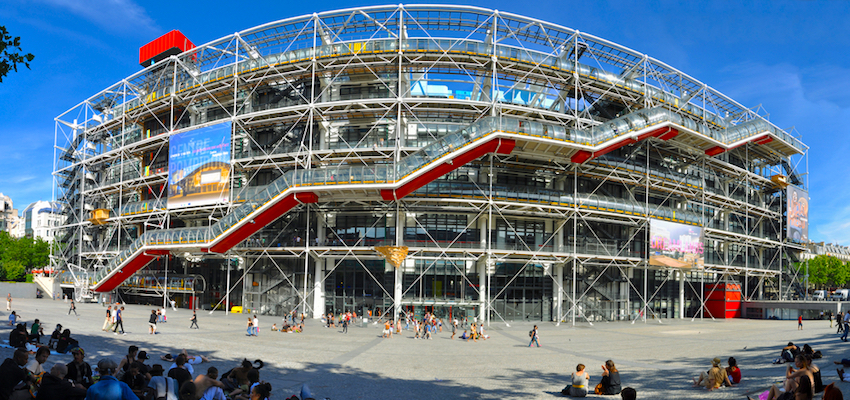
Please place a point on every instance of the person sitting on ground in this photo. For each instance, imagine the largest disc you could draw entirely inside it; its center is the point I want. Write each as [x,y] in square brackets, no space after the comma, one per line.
[179,372]
[187,391]
[238,376]
[208,386]
[66,342]
[13,318]
[130,358]
[807,350]
[12,372]
[788,353]
[54,386]
[173,365]
[163,386]
[54,337]
[108,387]
[134,378]
[831,392]
[628,394]
[36,365]
[261,391]
[79,371]
[714,377]
[18,336]
[798,383]
[36,332]
[244,391]
[733,372]
[610,378]
[580,380]
[817,381]
[464,335]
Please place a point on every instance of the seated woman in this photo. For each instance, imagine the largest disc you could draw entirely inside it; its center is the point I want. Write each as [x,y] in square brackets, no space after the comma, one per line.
[610,378]
[733,372]
[798,383]
[464,335]
[580,380]
[817,382]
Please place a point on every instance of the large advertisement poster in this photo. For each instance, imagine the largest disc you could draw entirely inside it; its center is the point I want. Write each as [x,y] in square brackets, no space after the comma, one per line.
[199,166]
[675,245]
[798,214]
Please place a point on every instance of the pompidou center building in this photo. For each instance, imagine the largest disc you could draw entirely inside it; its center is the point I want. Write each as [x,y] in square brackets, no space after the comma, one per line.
[458,160]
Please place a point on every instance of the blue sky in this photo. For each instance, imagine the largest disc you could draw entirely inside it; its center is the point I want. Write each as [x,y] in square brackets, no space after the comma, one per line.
[790,57]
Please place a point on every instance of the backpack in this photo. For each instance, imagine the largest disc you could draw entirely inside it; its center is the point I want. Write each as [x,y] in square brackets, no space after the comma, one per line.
[531,333]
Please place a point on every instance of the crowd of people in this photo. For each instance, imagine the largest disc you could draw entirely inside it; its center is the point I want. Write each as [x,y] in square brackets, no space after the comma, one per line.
[26,373]
[130,379]
[609,383]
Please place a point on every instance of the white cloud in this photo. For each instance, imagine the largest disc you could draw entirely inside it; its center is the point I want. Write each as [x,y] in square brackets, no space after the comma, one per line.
[121,16]
[798,97]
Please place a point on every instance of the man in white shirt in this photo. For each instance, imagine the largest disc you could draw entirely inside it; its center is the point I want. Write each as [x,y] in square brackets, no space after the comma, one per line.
[36,365]
[164,386]
[256,325]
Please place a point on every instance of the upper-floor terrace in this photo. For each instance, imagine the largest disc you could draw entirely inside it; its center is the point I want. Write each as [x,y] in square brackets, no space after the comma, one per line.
[561,62]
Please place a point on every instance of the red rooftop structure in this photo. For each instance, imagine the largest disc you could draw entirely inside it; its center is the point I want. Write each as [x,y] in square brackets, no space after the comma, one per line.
[172,43]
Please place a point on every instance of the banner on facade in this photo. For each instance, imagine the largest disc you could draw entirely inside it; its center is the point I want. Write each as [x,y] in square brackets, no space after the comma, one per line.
[798,214]
[675,245]
[199,166]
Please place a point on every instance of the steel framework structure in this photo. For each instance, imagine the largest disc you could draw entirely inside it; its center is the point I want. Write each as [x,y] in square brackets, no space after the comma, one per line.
[501,149]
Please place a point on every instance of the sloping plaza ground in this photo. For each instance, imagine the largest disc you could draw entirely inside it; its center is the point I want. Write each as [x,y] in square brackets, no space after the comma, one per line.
[658,359]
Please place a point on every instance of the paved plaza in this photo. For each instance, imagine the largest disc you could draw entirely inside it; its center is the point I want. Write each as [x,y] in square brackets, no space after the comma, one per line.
[658,359]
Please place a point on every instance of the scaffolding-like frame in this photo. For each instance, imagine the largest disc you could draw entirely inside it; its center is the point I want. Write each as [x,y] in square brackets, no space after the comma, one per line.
[419,65]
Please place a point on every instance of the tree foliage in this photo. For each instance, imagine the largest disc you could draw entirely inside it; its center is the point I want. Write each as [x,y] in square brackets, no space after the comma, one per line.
[10,53]
[825,271]
[20,255]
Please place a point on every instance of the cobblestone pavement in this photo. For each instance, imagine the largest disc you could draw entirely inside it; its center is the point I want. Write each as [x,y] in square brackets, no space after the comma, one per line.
[658,359]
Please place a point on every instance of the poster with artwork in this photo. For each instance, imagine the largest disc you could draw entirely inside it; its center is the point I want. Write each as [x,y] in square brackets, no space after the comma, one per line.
[675,245]
[798,214]
[199,166]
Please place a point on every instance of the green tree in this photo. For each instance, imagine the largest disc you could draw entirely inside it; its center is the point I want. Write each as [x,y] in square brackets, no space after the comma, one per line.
[826,271]
[819,275]
[10,53]
[15,271]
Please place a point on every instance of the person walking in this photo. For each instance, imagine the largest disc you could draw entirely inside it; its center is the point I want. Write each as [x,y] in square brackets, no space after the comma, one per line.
[9,302]
[256,325]
[108,318]
[534,337]
[846,329]
[194,320]
[73,308]
[119,321]
[345,324]
[800,322]
[152,322]
[838,324]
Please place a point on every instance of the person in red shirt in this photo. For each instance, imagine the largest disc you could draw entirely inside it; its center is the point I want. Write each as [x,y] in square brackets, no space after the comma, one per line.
[800,322]
[733,371]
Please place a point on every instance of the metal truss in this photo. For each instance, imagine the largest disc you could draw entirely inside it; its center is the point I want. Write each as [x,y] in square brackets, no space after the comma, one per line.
[370,86]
